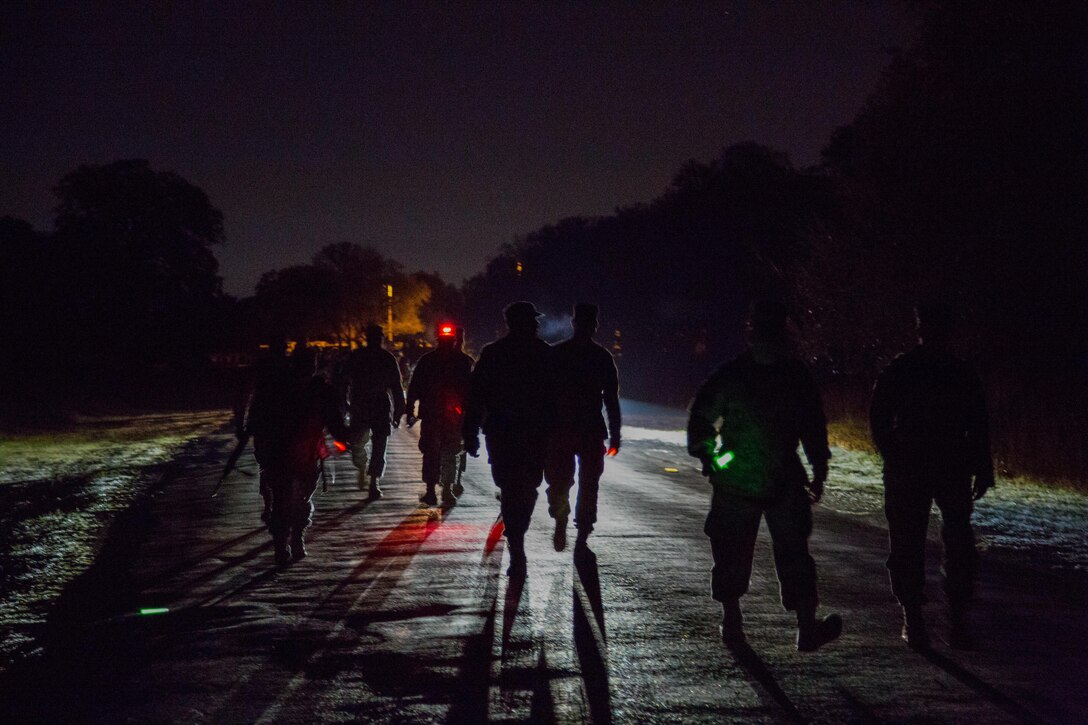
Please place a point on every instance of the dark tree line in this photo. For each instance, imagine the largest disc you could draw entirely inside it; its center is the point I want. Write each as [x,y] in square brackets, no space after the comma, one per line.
[121,304]
[964,179]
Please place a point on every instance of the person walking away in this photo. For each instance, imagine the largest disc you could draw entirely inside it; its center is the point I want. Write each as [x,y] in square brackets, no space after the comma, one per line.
[510,397]
[585,379]
[269,373]
[928,420]
[287,419]
[375,405]
[440,386]
[766,402]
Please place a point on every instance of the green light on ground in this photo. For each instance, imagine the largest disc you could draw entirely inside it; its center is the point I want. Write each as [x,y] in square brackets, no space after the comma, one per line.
[722,462]
[154,610]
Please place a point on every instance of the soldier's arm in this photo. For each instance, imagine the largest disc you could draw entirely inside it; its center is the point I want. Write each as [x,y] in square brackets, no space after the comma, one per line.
[978,437]
[813,424]
[612,400]
[416,386]
[396,389]
[882,409]
[474,406]
[703,418]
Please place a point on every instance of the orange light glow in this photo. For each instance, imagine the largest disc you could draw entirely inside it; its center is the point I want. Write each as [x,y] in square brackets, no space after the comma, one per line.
[613,452]
[340,447]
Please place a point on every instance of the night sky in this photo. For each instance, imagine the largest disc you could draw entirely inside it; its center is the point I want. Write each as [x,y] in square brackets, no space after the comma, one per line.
[434,133]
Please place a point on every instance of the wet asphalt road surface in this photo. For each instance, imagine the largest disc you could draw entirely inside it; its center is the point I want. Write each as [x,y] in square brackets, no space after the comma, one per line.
[403,613]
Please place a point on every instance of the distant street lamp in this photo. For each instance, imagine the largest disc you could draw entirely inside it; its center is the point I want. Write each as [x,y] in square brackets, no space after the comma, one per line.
[389,310]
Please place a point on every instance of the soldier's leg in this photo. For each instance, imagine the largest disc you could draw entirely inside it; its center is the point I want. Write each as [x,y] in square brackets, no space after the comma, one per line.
[377,454]
[732,525]
[590,467]
[790,525]
[279,519]
[450,451]
[907,503]
[559,474]
[303,486]
[960,556]
[431,463]
[359,456]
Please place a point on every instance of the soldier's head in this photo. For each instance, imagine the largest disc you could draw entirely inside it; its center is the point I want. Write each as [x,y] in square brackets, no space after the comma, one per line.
[767,319]
[277,345]
[374,336]
[585,319]
[304,361]
[934,323]
[521,318]
[449,335]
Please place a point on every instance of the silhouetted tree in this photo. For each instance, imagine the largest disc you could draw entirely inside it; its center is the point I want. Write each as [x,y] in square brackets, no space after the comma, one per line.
[133,248]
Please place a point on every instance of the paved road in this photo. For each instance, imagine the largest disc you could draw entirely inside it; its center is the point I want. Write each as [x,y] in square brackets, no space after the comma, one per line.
[403,614]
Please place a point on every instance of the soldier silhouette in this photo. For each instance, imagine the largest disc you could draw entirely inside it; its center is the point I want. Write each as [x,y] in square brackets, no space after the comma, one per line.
[929,422]
[585,378]
[440,386]
[766,402]
[510,397]
[375,405]
[270,372]
[287,417]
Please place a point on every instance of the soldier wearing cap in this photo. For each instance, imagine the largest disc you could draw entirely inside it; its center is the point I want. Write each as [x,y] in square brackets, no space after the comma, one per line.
[585,379]
[929,422]
[510,397]
[760,406]
[439,386]
[375,404]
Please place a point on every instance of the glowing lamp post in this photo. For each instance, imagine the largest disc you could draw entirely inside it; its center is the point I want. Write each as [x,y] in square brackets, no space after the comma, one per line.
[389,310]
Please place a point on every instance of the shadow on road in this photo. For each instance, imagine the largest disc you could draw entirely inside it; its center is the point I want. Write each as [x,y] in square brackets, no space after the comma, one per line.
[983,688]
[763,680]
[590,636]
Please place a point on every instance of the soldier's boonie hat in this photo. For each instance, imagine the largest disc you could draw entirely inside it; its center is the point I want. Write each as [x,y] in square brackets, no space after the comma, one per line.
[521,311]
[585,311]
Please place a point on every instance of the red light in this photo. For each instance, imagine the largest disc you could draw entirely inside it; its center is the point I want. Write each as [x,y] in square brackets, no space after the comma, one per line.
[612,452]
[445,330]
[339,446]
[457,409]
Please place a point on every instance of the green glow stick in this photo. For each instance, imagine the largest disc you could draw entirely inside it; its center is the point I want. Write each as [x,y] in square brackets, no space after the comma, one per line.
[721,462]
[154,610]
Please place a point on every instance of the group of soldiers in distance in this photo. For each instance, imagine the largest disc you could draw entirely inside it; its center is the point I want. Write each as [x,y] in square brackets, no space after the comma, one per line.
[539,407]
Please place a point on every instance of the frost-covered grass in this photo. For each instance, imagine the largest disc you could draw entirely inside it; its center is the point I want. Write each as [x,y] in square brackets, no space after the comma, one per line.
[59,493]
[92,445]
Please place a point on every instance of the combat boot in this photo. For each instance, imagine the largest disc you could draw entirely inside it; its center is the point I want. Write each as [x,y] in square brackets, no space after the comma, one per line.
[732,627]
[283,551]
[812,633]
[448,499]
[559,537]
[428,496]
[375,492]
[518,563]
[582,541]
[914,628]
[959,636]
[298,547]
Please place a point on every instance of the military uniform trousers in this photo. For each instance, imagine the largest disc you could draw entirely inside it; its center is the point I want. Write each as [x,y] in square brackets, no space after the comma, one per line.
[291,488]
[440,444]
[517,466]
[908,499]
[377,434]
[563,450]
[732,526]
